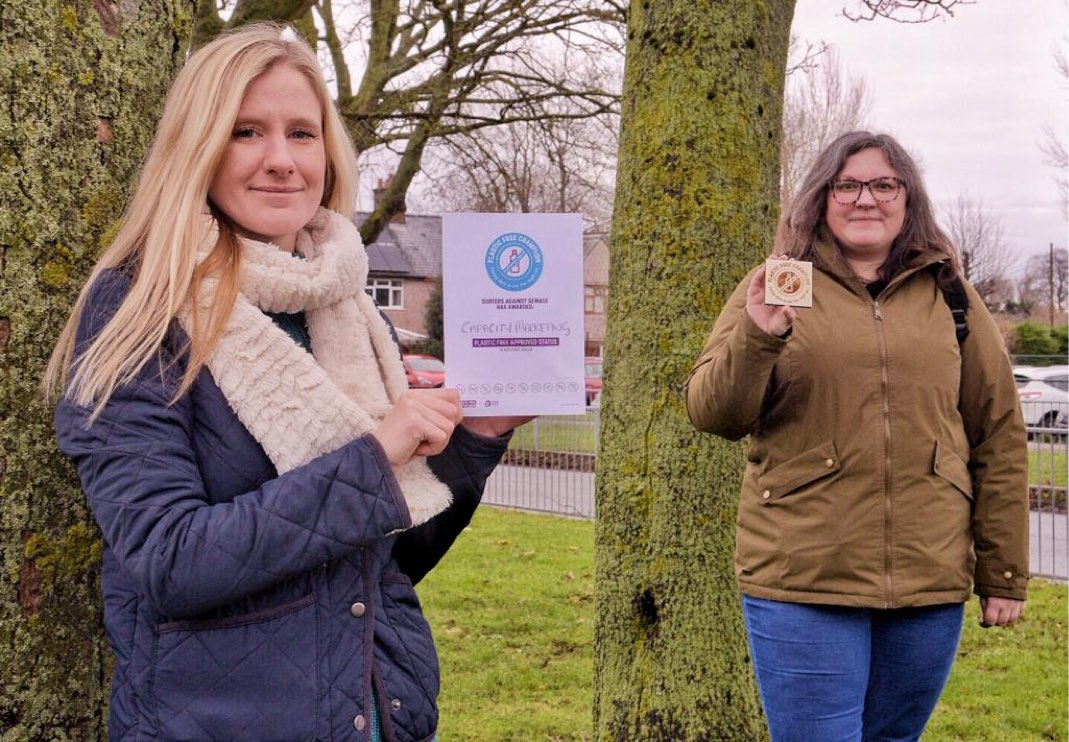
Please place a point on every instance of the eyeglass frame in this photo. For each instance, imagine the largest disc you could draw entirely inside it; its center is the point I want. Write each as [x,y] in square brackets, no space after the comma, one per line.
[866,184]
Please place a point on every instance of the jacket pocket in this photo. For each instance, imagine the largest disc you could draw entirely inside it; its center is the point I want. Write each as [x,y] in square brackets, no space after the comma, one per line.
[406,654]
[245,677]
[795,473]
[949,466]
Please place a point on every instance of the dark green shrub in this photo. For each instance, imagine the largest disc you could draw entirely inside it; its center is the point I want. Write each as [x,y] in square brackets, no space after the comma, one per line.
[1035,340]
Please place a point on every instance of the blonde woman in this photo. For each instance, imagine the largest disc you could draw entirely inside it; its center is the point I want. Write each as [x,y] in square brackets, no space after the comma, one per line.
[267,487]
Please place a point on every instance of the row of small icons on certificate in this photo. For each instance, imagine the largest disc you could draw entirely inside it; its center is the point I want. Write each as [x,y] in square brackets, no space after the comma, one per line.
[522,387]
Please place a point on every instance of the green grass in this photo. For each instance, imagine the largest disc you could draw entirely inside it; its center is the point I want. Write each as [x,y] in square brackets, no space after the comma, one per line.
[557,433]
[512,611]
[1047,467]
[1009,684]
[511,607]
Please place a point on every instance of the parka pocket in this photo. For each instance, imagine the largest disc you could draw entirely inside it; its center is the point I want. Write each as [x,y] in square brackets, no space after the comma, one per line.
[250,676]
[795,473]
[949,466]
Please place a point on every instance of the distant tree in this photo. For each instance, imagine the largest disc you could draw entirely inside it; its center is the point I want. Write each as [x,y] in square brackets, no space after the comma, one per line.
[1045,281]
[985,254]
[553,165]
[434,345]
[819,104]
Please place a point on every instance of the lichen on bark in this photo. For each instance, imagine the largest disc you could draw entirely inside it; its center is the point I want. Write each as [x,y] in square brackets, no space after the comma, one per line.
[82,85]
[696,203]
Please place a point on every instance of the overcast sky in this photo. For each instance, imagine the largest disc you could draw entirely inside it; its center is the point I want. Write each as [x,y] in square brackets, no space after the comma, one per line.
[969,97]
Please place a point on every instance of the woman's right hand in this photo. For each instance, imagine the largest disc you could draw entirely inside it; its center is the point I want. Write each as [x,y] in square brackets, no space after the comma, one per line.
[420,424]
[775,320]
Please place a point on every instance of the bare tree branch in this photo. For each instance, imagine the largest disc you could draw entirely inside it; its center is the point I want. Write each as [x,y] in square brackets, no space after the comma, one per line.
[985,254]
[804,60]
[430,69]
[903,11]
[1053,145]
[547,164]
[336,49]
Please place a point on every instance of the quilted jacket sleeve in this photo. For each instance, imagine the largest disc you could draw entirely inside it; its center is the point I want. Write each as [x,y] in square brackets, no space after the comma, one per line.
[726,387]
[464,466]
[998,458]
[187,555]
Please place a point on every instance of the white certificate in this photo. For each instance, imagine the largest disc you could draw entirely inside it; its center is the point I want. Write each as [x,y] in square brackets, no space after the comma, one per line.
[512,299]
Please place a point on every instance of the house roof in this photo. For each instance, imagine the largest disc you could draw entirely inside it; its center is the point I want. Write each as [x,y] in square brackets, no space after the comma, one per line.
[412,247]
[387,258]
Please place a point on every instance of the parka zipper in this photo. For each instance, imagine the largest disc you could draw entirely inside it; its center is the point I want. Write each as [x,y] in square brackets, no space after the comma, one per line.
[886,396]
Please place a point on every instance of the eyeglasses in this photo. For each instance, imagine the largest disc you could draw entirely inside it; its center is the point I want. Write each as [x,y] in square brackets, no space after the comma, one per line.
[847,192]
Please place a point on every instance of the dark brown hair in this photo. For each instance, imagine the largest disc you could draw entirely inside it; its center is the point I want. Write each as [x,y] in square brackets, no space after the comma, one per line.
[804,218]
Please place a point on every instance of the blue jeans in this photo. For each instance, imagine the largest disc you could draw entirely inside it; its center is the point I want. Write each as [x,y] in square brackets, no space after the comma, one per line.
[834,673]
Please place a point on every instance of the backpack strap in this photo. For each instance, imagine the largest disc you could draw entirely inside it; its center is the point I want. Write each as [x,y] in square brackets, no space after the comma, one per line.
[954,295]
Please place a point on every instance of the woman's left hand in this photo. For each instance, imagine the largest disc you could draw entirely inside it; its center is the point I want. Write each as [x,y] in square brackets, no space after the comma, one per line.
[494,427]
[996,611]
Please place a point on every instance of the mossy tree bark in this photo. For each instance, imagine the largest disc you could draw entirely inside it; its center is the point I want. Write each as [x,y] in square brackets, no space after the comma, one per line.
[696,203]
[82,84]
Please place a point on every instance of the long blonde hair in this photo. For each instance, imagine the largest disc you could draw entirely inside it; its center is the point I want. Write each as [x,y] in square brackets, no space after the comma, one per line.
[164,224]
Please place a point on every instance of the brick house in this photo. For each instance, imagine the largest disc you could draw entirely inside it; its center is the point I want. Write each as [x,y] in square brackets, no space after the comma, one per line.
[595,289]
[404,264]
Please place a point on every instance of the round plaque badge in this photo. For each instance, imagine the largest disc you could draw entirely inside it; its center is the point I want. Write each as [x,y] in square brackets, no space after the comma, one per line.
[788,283]
[514,261]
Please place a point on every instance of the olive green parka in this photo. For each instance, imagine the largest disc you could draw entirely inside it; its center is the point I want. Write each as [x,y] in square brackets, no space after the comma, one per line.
[887,464]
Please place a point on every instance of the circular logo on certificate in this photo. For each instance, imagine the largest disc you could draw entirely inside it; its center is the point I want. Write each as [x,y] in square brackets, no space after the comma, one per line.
[788,283]
[514,261]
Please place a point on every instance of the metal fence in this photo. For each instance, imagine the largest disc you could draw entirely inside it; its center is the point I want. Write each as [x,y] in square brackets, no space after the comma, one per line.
[1047,473]
[550,468]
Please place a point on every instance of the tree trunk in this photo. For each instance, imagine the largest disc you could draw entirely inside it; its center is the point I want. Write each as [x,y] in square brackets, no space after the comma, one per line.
[83,85]
[696,203]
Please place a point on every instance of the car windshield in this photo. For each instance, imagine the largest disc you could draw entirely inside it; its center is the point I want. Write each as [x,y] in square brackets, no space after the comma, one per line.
[1058,382]
[593,369]
[427,364]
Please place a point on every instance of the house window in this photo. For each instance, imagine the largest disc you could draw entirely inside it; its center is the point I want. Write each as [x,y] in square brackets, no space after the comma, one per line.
[388,293]
[594,299]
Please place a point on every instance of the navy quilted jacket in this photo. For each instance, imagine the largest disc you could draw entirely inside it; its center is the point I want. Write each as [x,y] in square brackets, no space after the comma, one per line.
[241,604]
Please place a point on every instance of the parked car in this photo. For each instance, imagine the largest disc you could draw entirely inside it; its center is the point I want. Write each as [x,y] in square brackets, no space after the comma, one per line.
[424,372]
[593,378]
[1044,392]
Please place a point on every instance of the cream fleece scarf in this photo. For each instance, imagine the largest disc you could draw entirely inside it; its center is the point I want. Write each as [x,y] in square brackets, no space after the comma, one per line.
[300,406]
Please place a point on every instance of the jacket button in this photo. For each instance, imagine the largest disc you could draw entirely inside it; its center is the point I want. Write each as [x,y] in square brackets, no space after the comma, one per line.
[395,704]
[829,463]
[1008,575]
[357,609]
[766,494]
[359,722]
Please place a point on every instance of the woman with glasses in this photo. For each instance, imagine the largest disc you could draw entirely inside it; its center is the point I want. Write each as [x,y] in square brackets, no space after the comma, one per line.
[886,474]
